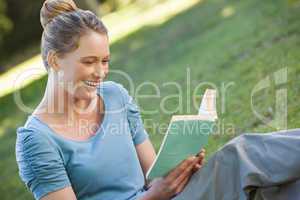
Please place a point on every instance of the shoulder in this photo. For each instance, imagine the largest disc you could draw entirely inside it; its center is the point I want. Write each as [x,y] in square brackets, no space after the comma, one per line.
[31,130]
[40,165]
[27,135]
[115,91]
[31,141]
[112,87]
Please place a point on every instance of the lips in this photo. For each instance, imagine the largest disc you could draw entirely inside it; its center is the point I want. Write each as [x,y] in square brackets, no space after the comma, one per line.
[92,83]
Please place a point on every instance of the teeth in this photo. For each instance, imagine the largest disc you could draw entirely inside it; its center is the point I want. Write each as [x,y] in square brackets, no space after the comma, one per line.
[91,83]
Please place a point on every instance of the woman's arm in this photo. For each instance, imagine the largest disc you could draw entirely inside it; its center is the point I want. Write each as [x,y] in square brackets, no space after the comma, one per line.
[174,182]
[41,167]
[65,193]
[146,155]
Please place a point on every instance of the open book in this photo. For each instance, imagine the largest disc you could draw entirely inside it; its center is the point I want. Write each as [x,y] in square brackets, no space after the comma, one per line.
[185,136]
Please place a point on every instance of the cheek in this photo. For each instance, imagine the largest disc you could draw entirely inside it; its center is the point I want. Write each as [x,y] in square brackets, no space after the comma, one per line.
[84,70]
[106,68]
[68,70]
[77,73]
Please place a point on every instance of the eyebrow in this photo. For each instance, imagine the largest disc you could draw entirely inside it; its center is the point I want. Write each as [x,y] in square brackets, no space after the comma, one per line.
[95,57]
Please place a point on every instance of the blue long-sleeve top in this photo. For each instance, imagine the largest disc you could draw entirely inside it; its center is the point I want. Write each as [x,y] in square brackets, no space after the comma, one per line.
[105,166]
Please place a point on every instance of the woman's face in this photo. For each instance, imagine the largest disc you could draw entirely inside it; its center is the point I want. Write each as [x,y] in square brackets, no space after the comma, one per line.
[82,70]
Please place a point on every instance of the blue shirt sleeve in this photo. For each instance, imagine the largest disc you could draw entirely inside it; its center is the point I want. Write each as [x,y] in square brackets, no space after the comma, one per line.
[39,162]
[136,126]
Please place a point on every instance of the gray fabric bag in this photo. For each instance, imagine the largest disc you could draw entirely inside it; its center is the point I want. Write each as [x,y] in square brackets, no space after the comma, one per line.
[251,166]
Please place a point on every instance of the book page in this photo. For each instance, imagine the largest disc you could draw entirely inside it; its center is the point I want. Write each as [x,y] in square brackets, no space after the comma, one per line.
[186,135]
[184,138]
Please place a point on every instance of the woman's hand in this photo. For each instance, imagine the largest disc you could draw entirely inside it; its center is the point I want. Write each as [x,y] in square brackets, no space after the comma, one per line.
[174,182]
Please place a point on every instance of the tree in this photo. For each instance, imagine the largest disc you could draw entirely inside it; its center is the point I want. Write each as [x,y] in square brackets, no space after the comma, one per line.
[92,5]
[5,23]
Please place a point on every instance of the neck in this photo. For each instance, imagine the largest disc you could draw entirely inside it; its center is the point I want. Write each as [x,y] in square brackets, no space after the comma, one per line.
[59,102]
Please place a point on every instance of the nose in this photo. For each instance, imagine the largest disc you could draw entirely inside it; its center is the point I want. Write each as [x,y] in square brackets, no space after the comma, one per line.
[101,71]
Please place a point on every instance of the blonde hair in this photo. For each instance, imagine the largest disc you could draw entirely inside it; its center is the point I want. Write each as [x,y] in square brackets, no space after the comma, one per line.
[64,23]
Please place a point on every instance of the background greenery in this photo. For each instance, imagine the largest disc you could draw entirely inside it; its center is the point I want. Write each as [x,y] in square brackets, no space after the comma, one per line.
[20,29]
[221,41]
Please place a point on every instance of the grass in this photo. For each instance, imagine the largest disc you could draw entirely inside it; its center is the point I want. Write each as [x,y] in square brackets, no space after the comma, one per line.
[134,16]
[221,42]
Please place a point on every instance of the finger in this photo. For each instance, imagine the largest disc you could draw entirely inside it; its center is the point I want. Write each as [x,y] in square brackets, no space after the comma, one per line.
[197,167]
[186,173]
[179,169]
[202,151]
[202,161]
[201,158]
[199,154]
[183,184]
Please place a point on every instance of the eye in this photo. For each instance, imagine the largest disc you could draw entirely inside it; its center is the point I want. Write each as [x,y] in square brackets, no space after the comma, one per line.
[105,61]
[88,62]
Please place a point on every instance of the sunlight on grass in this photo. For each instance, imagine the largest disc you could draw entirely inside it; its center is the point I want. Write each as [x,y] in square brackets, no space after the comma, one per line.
[5,124]
[21,75]
[227,11]
[136,19]
[120,24]
[2,130]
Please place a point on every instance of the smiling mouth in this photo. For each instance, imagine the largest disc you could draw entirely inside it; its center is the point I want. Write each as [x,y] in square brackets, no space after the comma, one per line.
[92,84]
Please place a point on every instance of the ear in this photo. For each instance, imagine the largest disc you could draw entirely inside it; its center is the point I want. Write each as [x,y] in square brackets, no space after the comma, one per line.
[52,60]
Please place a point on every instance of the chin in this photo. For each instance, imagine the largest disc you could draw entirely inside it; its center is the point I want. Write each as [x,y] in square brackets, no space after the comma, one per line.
[83,93]
[88,95]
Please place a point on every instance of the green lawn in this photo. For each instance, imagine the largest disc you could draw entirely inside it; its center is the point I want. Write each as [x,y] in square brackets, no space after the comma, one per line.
[221,42]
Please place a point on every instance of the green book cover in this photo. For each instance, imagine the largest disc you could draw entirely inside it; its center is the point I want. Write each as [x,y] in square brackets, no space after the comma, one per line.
[185,136]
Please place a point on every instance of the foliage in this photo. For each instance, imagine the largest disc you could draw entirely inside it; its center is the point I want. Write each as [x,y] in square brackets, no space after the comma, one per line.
[26,29]
[5,22]
[20,28]
[256,39]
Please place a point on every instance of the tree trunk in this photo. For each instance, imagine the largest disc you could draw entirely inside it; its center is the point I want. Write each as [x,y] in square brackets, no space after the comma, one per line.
[92,5]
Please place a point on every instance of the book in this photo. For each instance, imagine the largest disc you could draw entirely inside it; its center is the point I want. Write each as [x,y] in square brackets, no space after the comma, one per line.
[185,136]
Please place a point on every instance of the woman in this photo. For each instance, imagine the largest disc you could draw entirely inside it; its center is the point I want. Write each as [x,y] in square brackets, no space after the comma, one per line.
[85,140]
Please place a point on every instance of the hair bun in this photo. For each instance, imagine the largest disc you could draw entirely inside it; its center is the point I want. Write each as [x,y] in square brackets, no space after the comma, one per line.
[53,8]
